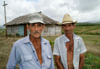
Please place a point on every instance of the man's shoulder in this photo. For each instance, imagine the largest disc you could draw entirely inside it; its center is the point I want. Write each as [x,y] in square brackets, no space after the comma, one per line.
[59,38]
[77,37]
[45,40]
[20,41]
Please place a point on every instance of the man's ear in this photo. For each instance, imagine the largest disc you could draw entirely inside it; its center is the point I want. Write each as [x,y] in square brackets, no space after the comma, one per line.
[28,27]
[74,25]
[62,27]
[43,27]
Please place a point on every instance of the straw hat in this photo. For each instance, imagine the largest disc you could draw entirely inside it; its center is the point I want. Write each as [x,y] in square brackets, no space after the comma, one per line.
[67,19]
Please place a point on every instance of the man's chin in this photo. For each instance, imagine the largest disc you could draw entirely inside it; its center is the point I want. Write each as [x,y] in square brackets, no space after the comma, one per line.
[68,33]
[36,37]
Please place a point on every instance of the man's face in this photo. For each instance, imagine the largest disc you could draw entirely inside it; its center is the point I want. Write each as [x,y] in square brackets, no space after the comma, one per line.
[68,28]
[36,29]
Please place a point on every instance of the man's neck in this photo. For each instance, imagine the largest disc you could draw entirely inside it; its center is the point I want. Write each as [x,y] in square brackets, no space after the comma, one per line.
[69,36]
[32,39]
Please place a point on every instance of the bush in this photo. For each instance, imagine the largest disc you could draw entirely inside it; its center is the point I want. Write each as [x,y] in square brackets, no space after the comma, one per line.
[17,34]
[9,34]
[51,42]
[91,61]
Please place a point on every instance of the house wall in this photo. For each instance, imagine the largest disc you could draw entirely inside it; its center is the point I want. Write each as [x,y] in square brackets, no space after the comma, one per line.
[51,30]
[21,30]
[12,30]
[58,30]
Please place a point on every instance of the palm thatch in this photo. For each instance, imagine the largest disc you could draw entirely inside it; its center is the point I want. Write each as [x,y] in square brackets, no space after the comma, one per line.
[24,19]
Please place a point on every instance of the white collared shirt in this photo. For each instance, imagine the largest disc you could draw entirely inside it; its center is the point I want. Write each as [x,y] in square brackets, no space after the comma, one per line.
[60,49]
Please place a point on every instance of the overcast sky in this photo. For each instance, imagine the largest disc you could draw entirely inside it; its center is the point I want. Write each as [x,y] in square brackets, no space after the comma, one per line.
[83,10]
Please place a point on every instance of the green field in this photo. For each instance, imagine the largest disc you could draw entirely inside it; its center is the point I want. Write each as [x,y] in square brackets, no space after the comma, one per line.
[92,30]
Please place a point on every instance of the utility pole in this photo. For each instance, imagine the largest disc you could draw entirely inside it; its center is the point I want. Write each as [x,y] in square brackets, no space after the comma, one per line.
[5,17]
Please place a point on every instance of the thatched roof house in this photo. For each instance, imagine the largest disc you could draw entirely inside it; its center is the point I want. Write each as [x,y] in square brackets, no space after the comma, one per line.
[24,19]
[18,26]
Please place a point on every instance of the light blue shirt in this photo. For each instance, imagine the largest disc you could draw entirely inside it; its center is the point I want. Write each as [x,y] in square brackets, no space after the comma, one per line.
[60,49]
[24,54]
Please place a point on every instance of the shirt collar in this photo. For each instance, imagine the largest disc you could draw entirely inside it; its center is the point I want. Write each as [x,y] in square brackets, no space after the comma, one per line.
[27,39]
[76,37]
[65,39]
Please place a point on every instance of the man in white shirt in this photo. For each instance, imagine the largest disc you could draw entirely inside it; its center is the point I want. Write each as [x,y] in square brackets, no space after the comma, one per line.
[69,48]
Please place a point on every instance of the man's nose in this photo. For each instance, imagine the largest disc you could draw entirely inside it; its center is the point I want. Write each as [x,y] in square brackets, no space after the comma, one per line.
[36,28]
[67,28]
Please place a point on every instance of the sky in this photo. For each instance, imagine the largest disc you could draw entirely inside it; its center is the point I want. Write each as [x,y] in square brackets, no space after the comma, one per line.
[83,10]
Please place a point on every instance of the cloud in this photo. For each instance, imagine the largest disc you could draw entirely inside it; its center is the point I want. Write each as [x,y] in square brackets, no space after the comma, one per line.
[87,5]
[83,10]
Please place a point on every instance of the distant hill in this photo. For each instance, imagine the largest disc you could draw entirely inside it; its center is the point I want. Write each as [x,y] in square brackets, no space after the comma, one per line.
[92,29]
[2,27]
[88,24]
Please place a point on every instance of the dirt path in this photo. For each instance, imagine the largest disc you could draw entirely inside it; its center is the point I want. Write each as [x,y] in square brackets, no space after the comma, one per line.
[95,49]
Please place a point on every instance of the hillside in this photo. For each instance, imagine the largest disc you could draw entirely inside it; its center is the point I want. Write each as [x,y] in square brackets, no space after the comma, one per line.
[87,28]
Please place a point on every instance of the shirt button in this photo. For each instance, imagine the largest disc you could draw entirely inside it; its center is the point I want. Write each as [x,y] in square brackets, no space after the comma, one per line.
[33,51]
[37,59]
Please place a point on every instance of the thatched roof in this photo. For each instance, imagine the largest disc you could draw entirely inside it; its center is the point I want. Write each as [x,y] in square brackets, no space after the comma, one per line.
[24,19]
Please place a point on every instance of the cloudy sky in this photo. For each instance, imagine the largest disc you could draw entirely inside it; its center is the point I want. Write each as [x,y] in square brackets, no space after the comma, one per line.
[83,10]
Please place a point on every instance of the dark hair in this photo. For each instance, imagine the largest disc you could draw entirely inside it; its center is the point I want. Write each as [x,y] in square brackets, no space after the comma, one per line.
[71,23]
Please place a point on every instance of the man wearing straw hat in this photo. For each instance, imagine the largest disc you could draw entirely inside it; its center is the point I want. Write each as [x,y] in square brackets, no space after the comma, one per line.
[33,51]
[69,48]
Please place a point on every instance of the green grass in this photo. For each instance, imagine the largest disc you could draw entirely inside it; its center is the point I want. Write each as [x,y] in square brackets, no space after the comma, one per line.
[91,39]
[92,61]
[95,30]
[2,32]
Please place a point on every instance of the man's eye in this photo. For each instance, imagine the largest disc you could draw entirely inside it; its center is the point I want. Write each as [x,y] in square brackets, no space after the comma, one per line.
[64,26]
[69,25]
[33,25]
[39,25]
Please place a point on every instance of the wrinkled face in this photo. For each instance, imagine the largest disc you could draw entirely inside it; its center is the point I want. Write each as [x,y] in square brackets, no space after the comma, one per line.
[36,29]
[68,28]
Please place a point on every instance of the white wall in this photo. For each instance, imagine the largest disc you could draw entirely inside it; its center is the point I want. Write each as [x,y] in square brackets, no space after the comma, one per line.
[53,30]
[12,30]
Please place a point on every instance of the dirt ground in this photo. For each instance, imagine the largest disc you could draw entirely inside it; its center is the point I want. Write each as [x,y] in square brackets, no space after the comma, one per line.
[93,49]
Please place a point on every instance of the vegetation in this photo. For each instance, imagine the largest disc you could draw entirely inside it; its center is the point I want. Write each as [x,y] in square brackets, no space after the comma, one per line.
[87,24]
[91,30]
[2,31]
[17,34]
[92,61]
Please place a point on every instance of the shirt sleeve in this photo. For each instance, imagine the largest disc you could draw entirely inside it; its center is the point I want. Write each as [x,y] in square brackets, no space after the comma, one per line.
[56,50]
[14,58]
[82,47]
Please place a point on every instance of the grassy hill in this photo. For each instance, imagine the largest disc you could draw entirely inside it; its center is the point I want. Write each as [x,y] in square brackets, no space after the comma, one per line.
[87,28]
[94,30]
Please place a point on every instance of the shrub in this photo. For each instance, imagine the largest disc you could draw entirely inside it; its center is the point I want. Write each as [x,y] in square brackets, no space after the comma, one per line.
[9,34]
[17,34]
[51,42]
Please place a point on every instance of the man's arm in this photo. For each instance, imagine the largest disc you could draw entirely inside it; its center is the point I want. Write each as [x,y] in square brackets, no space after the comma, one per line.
[58,63]
[13,58]
[82,59]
